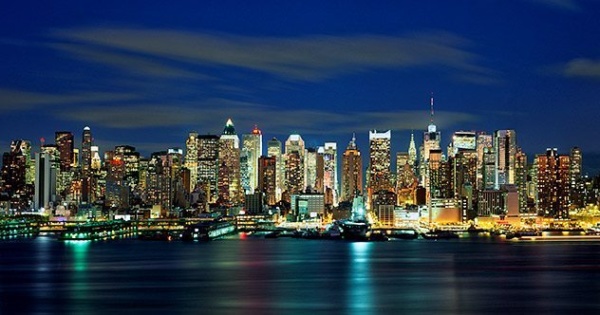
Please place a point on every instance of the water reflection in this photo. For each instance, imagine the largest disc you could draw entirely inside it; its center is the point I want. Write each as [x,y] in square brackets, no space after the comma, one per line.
[79,286]
[360,286]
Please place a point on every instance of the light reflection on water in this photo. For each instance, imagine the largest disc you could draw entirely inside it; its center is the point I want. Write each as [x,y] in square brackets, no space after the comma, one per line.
[288,276]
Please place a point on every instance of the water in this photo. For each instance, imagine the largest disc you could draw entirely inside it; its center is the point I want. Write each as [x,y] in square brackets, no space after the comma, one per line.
[294,276]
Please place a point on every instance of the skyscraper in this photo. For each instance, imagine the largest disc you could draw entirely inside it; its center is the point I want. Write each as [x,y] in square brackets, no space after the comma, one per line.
[64,142]
[505,148]
[330,180]
[379,177]
[295,170]
[87,180]
[267,179]
[553,184]
[45,181]
[229,165]
[412,151]
[191,158]
[352,174]
[252,144]
[576,184]
[208,166]
[274,150]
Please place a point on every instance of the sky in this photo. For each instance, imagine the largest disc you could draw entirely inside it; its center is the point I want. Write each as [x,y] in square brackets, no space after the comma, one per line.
[146,73]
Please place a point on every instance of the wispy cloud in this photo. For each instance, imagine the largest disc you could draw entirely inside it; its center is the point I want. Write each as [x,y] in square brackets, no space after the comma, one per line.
[211,115]
[16,100]
[570,5]
[307,58]
[581,67]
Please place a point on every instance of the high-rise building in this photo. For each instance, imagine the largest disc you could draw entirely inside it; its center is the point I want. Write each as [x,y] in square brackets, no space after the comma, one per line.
[45,181]
[229,165]
[576,183]
[521,179]
[64,142]
[352,176]
[553,184]
[379,177]
[505,148]
[412,151]
[267,179]
[295,168]
[191,158]
[14,172]
[274,150]
[310,164]
[431,142]
[87,180]
[252,145]
[484,146]
[406,182]
[208,166]
[330,180]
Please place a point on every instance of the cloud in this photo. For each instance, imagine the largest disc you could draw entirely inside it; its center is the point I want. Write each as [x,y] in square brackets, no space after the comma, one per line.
[17,100]
[307,58]
[570,5]
[582,67]
[211,115]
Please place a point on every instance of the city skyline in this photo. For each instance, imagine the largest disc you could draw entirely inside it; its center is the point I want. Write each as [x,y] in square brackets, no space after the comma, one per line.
[148,73]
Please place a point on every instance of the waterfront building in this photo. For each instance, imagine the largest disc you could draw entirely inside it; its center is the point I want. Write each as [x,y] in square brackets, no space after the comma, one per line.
[45,181]
[274,150]
[267,178]
[521,180]
[576,182]
[330,177]
[191,159]
[252,146]
[229,165]
[553,185]
[14,172]
[208,166]
[307,206]
[352,174]
[505,150]
[379,176]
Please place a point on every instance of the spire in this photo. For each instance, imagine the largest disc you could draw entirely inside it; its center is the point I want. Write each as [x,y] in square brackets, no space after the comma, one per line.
[229,128]
[431,119]
[431,127]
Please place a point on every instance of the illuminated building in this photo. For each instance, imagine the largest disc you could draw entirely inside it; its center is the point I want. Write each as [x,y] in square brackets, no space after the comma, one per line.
[352,174]
[431,142]
[45,181]
[464,175]
[406,182]
[383,205]
[330,180]
[521,179]
[295,171]
[488,169]
[267,178]
[252,145]
[412,151]
[379,177]
[87,181]
[485,145]
[64,142]
[229,165]
[306,206]
[191,159]
[553,185]
[245,172]
[505,149]
[440,176]
[310,164]
[208,166]
[576,181]
[14,171]
[274,150]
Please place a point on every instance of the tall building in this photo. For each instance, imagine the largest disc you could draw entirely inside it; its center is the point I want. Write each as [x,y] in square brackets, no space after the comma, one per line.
[64,142]
[191,158]
[267,179]
[553,184]
[229,165]
[505,148]
[352,176]
[431,142]
[87,180]
[521,179]
[295,169]
[330,179]
[484,146]
[252,145]
[208,166]
[576,183]
[274,150]
[45,181]
[14,172]
[406,182]
[412,151]
[379,177]
[310,164]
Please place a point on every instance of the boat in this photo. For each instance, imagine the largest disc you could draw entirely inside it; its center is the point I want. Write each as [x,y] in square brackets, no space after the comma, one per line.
[205,231]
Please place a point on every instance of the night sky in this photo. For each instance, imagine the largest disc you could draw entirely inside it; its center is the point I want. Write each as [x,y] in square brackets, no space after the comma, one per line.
[145,73]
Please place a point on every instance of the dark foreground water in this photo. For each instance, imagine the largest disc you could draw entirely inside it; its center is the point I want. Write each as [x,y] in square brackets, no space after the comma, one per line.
[291,276]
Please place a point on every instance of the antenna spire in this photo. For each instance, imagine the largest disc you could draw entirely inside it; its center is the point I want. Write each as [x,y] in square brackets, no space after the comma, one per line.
[431,108]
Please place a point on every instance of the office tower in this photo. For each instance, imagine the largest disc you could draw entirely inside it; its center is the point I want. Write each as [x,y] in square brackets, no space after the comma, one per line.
[252,144]
[158,182]
[96,163]
[440,176]
[274,150]
[379,177]
[521,179]
[191,158]
[229,165]
[406,182]
[330,179]
[464,169]
[131,160]
[576,183]
[431,142]
[485,145]
[64,142]
[310,164]
[208,166]
[352,174]
[553,184]
[505,148]
[45,181]
[267,179]
[295,169]
[87,180]
[245,170]
[412,151]
[14,171]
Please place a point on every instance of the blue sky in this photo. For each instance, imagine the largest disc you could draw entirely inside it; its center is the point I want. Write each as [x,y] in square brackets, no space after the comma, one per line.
[145,73]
